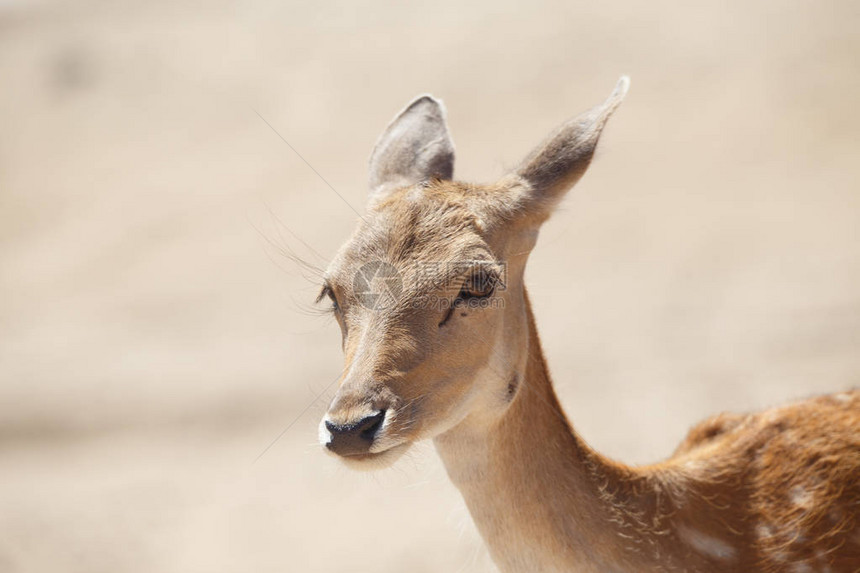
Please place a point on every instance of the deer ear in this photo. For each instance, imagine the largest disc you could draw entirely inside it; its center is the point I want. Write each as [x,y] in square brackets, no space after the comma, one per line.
[415,147]
[557,164]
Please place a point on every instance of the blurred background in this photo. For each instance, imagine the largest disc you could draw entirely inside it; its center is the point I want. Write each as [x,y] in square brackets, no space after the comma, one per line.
[154,339]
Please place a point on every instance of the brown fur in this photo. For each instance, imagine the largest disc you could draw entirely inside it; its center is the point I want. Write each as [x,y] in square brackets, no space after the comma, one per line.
[777,491]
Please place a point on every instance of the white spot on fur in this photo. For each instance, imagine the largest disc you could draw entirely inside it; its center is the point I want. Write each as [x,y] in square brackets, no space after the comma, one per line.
[763,531]
[800,497]
[821,557]
[694,465]
[707,544]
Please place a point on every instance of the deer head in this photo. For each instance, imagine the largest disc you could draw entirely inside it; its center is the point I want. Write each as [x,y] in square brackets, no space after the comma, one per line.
[428,291]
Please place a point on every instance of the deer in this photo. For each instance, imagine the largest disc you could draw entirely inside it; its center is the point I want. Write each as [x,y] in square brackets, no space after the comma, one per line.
[440,343]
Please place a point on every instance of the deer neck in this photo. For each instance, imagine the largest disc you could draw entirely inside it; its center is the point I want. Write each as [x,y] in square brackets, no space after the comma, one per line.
[541,498]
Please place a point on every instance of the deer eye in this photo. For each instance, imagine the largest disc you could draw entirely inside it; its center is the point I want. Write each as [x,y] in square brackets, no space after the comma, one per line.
[480,283]
[478,286]
[328,292]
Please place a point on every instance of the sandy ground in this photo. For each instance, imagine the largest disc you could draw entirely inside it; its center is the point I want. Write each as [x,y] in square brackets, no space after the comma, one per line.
[154,340]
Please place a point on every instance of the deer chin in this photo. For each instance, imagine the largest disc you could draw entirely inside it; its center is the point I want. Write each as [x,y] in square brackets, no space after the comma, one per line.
[374,460]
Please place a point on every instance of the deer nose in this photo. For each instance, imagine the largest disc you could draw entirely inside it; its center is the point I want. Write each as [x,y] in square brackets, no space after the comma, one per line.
[354,438]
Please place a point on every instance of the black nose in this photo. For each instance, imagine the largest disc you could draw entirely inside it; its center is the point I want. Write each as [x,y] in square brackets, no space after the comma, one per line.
[354,438]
